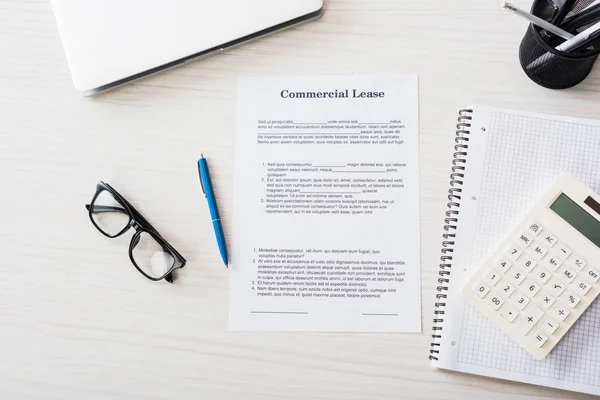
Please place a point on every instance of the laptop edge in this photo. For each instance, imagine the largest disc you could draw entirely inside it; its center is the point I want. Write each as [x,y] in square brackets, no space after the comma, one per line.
[196,56]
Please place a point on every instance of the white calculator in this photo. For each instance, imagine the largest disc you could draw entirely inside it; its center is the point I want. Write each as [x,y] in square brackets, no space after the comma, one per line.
[546,273]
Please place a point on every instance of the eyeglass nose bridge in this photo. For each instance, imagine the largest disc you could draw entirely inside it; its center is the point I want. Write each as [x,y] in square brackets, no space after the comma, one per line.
[137,236]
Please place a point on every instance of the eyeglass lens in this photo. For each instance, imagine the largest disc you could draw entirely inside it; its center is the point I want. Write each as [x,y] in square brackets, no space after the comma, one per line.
[108,214]
[151,257]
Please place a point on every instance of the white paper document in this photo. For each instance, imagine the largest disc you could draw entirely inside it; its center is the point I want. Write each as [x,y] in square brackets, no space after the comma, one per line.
[326,205]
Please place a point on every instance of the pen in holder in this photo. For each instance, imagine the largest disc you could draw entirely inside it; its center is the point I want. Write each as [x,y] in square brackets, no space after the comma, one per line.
[547,66]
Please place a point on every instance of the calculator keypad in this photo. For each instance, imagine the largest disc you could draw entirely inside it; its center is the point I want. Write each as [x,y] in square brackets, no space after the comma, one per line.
[547,301]
[539,339]
[495,302]
[593,275]
[531,318]
[527,263]
[517,277]
[535,228]
[563,251]
[552,263]
[567,274]
[513,253]
[542,275]
[561,313]
[504,266]
[525,239]
[506,289]
[509,313]
[573,300]
[539,251]
[579,263]
[536,286]
[521,301]
[492,278]
[549,239]
[482,290]
[582,287]
[549,326]
[532,289]
[556,287]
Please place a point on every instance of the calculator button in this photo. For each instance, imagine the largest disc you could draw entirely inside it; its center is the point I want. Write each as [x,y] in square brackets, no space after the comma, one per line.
[541,275]
[582,287]
[524,239]
[563,251]
[547,300]
[521,301]
[539,339]
[506,289]
[552,262]
[509,313]
[548,239]
[567,274]
[549,326]
[495,302]
[572,300]
[531,289]
[539,252]
[579,263]
[517,277]
[481,290]
[560,313]
[492,278]
[504,266]
[529,320]
[527,263]
[535,228]
[592,275]
[556,287]
[513,253]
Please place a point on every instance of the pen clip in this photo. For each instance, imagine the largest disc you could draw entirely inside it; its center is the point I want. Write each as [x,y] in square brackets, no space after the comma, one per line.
[200,176]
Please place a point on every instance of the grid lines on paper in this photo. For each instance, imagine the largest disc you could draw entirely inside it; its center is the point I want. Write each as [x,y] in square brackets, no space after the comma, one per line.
[524,156]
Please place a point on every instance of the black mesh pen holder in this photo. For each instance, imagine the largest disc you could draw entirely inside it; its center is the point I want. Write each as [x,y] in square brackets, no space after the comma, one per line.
[547,66]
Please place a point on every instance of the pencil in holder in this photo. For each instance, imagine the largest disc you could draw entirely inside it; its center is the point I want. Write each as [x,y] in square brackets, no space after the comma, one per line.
[546,66]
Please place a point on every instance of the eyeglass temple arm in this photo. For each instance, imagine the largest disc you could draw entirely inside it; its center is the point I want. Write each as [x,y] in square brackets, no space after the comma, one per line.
[106,209]
[136,213]
[103,209]
[138,216]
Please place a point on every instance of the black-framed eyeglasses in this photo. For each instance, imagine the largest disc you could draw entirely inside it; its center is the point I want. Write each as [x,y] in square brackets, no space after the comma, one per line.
[113,215]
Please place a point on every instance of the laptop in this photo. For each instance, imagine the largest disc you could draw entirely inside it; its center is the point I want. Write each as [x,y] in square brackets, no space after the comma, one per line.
[112,42]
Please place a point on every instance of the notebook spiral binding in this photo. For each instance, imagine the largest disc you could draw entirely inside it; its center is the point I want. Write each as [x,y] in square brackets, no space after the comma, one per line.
[454,197]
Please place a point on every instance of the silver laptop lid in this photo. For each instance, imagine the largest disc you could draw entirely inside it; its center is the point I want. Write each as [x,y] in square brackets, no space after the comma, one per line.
[110,42]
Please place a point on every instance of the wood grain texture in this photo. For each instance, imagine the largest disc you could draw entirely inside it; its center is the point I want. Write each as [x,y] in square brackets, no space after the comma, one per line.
[76,320]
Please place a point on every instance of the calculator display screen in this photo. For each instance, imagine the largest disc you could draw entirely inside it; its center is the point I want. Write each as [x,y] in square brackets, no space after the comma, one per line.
[577,217]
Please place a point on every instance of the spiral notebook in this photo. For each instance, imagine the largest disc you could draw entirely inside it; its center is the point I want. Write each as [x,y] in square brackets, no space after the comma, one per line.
[503,162]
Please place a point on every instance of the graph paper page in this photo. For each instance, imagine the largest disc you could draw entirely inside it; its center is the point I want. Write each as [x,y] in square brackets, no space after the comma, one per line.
[513,159]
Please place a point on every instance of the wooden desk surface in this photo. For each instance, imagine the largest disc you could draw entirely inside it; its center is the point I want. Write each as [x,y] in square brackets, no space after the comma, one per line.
[76,320]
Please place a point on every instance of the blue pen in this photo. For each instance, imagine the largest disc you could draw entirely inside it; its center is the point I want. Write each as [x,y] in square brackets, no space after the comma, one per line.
[207,188]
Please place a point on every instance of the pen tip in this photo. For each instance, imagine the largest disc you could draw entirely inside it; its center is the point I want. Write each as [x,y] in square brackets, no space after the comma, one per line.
[226,265]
